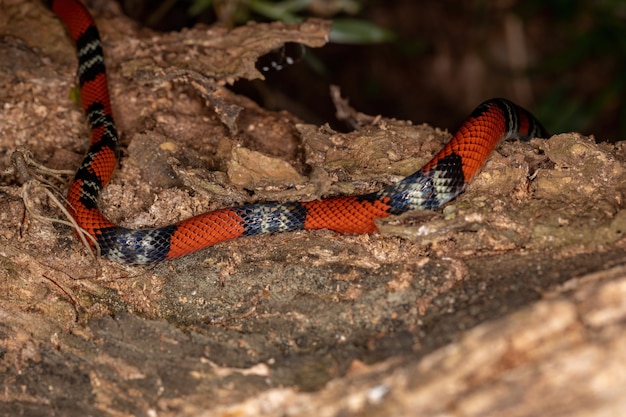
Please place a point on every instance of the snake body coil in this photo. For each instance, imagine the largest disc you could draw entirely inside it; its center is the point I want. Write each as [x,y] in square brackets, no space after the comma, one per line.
[439,181]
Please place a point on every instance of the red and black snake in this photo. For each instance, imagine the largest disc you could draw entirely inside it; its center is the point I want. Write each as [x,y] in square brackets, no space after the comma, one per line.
[439,181]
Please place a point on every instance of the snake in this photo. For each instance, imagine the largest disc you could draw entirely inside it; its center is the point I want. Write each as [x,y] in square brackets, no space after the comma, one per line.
[439,181]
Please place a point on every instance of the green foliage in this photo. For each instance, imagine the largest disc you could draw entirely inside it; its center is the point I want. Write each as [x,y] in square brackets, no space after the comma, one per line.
[344,30]
[354,31]
[284,11]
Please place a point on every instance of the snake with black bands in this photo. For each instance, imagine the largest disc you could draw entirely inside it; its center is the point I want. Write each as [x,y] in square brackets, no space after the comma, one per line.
[439,181]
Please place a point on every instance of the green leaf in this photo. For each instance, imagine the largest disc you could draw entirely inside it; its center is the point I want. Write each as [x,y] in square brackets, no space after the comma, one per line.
[353,31]
[283,11]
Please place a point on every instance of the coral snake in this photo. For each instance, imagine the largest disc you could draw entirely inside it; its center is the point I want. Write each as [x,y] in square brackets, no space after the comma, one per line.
[439,181]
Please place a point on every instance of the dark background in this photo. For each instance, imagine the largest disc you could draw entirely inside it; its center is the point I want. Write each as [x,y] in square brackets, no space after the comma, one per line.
[564,60]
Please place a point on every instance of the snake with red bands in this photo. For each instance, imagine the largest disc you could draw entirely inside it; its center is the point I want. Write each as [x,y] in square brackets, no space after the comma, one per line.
[439,181]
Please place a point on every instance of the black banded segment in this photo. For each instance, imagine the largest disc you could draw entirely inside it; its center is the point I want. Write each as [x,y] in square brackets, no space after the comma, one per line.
[449,169]
[96,117]
[91,183]
[511,117]
[448,180]
[427,190]
[135,247]
[535,129]
[514,116]
[90,56]
[271,217]
[416,192]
